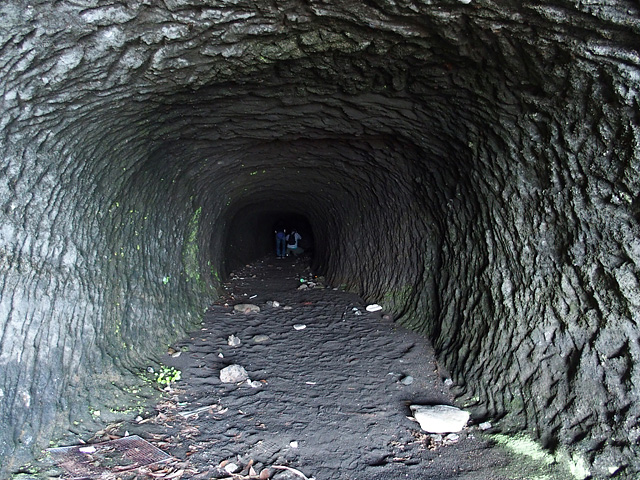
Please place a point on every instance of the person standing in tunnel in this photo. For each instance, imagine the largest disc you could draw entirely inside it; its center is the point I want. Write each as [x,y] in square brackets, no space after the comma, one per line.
[292,243]
[281,236]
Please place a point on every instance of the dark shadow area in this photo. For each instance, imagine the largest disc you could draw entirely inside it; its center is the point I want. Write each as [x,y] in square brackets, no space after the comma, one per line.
[250,234]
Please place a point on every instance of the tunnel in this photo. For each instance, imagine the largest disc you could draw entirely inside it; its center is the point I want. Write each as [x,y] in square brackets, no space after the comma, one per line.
[473,166]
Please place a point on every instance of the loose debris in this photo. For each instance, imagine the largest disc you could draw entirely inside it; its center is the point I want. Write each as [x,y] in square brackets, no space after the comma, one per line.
[96,460]
[440,418]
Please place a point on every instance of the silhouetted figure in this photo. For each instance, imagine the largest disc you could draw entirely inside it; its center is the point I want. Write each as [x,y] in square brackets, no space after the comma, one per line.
[281,236]
[292,243]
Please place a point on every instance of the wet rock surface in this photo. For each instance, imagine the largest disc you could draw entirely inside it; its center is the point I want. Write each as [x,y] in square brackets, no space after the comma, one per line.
[472,167]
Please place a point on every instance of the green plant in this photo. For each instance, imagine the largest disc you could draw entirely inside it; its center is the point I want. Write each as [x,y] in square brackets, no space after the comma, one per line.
[167,376]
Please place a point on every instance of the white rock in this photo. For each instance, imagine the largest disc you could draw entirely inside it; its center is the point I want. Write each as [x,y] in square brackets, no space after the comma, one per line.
[233,374]
[231,467]
[261,338]
[452,438]
[276,303]
[485,426]
[294,444]
[246,308]
[374,308]
[408,380]
[233,341]
[299,326]
[87,450]
[440,418]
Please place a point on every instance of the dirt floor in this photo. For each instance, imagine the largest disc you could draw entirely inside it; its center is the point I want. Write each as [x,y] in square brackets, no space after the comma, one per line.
[327,397]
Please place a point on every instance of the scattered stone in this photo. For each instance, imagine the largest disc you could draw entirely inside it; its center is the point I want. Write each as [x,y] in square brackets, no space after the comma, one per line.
[231,467]
[304,286]
[485,426]
[246,308]
[287,307]
[273,303]
[261,338]
[452,438]
[448,382]
[408,380]
[294,444]
[299,326]
[233,374]
[374,308]
[234,341]
[440,418]
[253,384]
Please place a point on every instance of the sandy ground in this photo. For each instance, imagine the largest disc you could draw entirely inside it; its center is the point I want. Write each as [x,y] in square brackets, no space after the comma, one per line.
[327,401]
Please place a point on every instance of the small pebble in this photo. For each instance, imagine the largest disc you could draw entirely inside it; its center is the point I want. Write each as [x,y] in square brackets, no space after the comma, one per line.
[448,382]
[233,374]
[452,438]
[485,426]
[233,341]
[408,380]
[294,444]
[261,338]
[231,467]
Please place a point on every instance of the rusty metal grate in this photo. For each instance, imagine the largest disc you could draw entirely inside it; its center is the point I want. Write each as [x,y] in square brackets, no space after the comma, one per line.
[121,455]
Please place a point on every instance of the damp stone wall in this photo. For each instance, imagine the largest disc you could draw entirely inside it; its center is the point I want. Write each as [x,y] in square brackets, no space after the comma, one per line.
[471,165]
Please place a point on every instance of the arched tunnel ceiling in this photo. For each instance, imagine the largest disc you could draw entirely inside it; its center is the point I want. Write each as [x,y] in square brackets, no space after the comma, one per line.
[472,165]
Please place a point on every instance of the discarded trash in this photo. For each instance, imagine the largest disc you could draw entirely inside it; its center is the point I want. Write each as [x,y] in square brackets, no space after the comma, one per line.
[440,418]
[234,341]
[246,308]
[448,382]
[304,286]
[233,374]
[252,297]
[273,303]
[287,307]
[253,384]
[231,467]
[299,326]
[373,308]
[485,426]
[261,338]
[100,460]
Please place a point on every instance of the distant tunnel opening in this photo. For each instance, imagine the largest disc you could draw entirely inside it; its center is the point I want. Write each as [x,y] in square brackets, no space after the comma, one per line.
[474,168]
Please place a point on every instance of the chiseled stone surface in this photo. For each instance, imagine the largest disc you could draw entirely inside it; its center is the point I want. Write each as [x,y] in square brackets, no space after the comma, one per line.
[471,166]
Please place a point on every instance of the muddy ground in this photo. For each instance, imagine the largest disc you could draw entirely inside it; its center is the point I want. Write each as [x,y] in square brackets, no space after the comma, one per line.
[328,394]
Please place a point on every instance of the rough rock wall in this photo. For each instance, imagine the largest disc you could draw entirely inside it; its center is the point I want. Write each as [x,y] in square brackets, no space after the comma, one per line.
[471,165]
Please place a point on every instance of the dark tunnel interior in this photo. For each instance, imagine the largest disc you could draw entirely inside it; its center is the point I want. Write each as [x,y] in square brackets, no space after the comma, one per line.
[472,166]
[251,233]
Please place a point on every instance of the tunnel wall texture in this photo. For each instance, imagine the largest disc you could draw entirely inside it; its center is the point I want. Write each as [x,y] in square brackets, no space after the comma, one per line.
[471,165]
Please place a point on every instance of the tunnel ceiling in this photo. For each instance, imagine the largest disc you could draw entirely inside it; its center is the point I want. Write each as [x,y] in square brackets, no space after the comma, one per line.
[471,165]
